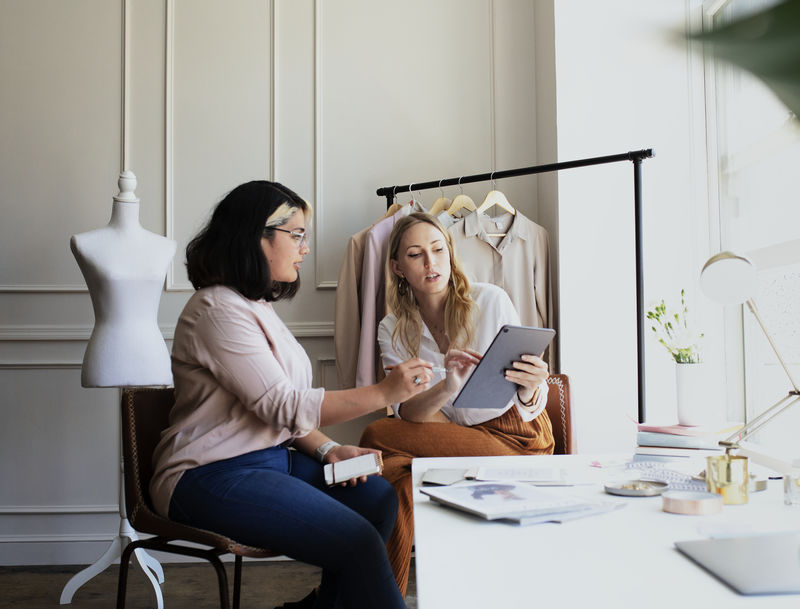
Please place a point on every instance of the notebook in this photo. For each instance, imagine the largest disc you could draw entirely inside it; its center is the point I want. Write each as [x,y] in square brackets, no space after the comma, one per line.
[761,564]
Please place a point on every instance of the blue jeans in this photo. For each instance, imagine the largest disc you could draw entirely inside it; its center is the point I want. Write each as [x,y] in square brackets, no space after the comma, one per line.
[277,498]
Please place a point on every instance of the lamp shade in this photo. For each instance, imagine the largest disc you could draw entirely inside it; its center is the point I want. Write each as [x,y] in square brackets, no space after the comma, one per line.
[728,278]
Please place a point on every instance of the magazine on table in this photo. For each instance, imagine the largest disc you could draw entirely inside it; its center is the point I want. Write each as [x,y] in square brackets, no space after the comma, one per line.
[505,499]
[536,475]
[599,507]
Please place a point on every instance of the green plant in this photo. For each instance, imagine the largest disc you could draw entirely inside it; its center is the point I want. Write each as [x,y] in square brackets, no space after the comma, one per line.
[767,44]
[672,330]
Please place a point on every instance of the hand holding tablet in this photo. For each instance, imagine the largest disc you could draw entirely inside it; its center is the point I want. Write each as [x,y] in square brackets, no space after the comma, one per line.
[488,386]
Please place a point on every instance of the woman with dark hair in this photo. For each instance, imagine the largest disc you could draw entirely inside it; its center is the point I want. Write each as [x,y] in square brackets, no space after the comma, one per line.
[243,397]
[437,315]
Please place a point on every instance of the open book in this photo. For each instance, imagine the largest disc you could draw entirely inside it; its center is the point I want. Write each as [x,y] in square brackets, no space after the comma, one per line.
[506,499]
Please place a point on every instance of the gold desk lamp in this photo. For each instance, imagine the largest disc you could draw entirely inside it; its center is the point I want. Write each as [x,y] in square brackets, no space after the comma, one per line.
[730,278]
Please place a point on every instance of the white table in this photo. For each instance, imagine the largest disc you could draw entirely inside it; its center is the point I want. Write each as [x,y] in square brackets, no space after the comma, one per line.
[625,558]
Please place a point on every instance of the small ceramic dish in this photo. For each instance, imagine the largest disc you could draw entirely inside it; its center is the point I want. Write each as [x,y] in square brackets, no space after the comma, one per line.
[637,488]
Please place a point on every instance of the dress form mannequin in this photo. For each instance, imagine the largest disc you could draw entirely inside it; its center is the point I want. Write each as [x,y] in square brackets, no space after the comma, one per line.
[124,266]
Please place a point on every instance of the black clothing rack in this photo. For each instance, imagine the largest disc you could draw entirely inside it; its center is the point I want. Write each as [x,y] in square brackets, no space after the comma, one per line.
[635,157]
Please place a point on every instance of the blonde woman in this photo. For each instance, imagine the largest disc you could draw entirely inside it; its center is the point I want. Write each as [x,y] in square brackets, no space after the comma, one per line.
[437,316]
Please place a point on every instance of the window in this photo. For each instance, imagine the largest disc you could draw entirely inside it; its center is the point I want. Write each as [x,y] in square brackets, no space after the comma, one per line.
[754,164]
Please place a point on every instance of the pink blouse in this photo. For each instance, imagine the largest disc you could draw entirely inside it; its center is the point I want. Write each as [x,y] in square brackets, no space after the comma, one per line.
[242,383]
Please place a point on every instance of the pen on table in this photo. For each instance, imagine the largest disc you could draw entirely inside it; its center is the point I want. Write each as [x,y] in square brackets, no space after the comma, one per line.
[434,369]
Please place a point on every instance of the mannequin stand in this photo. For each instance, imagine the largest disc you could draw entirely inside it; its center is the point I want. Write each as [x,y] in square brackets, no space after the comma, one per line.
[149,565]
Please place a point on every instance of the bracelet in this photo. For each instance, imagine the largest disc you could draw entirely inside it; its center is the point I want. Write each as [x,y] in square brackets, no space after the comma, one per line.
[529,403]
[324,448]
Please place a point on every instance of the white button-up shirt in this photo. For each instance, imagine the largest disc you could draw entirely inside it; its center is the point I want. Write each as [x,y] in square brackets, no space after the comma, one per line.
[494,310]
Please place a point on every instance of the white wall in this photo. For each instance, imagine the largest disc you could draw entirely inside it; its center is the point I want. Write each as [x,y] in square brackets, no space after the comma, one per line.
[627,84]
[333,99]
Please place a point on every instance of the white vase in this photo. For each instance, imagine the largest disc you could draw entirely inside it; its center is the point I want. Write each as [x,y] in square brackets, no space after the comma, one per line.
[691,383]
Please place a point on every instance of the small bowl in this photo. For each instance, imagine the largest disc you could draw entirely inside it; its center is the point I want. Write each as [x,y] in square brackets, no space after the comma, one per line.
[637,488]
[694,503]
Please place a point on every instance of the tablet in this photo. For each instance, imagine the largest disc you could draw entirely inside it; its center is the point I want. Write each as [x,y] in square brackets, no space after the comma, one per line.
[488,387]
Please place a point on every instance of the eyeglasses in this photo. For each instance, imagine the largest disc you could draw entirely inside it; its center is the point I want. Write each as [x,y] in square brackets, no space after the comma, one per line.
[299,238]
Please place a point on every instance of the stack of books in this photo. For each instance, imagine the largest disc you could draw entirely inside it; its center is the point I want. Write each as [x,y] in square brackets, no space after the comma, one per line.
[682,440]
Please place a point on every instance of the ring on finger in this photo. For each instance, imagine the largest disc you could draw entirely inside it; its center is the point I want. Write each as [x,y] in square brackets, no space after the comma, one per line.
[417,380]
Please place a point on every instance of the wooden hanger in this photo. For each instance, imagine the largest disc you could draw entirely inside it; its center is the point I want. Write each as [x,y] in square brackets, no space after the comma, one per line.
[392,209]
[495,197]
[461,201]
[440,204]
[415,203]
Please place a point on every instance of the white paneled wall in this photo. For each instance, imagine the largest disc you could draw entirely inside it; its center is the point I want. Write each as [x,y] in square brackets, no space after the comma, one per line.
[334,99]
[218,109]
[60,122]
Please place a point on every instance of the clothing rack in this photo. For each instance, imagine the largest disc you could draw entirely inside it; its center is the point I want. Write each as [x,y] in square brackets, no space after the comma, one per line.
[636,157]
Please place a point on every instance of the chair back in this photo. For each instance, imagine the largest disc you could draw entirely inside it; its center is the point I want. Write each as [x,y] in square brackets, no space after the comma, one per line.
[145,414]
[558,409]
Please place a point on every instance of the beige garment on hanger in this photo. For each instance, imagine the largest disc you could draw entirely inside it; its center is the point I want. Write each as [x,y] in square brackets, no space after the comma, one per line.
[347,313]
[519,263]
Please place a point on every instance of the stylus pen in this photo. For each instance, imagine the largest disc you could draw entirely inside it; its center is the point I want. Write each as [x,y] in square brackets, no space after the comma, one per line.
[434,369]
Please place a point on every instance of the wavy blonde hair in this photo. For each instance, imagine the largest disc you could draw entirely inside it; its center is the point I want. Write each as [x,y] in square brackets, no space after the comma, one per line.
[459,306]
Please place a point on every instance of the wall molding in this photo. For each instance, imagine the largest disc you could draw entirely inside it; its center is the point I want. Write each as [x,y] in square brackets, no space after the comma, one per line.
[58,509]
[59,332]
[124,54]
[57,538]
[311,329]
[492,87]
[169,147]
[44,287]
[62,333]
[73,365]
[169,85]
[326,365]
[316,95]
[45,332]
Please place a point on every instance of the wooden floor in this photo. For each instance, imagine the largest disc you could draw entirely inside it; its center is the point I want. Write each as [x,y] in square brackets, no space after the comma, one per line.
[265,584]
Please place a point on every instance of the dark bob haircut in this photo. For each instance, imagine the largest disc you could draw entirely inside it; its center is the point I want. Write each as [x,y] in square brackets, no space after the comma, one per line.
[227,250]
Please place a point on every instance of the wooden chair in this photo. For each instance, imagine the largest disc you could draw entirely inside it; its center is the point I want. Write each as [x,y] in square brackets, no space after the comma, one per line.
[145,413]
[558,409]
